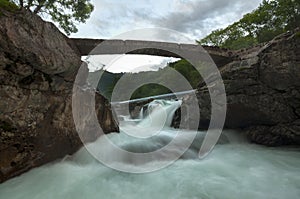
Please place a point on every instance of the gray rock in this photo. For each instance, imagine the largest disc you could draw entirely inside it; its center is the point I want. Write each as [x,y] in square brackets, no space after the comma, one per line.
[37,68]
[37,43]
[263,92]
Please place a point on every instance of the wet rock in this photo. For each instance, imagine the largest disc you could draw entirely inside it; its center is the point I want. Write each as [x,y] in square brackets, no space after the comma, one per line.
[262,87]
[37,71]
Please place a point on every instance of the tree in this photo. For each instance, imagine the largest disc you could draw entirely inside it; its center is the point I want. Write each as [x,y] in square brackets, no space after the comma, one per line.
[271,18]
[7,5]
[65,12]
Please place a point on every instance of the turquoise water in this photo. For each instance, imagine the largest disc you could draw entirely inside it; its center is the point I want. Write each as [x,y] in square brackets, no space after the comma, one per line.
[235,169]
[230,171]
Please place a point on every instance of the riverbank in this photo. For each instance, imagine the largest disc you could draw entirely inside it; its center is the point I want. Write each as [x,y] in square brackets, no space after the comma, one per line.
[263,92]
[38,65]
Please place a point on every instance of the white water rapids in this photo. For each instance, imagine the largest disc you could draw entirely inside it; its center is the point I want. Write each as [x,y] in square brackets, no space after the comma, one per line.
[235,169]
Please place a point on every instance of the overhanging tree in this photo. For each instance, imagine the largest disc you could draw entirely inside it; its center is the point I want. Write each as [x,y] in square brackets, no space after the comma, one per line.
[65,12]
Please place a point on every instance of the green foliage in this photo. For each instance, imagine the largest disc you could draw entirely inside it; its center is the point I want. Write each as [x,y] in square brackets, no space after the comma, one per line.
[66,13]
[8,5]
[271,18]
[188,71]
[239,43]
[108,80]
[149,90]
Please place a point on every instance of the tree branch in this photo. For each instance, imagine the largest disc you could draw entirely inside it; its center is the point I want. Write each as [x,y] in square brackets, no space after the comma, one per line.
[39,7]
[29,4]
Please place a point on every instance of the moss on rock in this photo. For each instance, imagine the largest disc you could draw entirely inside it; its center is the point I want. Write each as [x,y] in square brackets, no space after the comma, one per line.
[8,5]
[297,34]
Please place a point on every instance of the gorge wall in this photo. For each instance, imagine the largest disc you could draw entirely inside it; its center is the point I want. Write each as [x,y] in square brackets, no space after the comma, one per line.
[38,65]
[263,92]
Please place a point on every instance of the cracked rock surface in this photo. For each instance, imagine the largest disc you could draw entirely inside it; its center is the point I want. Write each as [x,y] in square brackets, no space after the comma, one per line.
[263,92]
[38,65]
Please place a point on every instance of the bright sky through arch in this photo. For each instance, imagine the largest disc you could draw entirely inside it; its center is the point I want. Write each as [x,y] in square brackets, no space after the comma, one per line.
[194,18]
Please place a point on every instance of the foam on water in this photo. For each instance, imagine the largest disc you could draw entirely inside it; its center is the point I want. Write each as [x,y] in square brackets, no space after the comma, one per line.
[235,169]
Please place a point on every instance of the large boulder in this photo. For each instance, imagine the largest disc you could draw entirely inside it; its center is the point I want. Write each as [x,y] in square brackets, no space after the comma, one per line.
[263,92]
[37,43]
[37,70]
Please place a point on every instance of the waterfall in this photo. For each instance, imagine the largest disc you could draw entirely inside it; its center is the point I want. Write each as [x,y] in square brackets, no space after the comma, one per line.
[159,113]
[150,133]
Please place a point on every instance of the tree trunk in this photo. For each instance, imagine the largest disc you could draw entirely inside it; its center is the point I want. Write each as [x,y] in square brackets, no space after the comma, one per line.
[40,6]
[21,3]
[29,4]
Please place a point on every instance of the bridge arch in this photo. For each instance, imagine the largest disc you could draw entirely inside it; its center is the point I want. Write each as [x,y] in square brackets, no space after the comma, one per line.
[86,47]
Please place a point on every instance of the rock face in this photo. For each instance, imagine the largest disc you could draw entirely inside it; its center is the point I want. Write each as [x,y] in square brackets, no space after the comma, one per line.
[38,65]
[263,92]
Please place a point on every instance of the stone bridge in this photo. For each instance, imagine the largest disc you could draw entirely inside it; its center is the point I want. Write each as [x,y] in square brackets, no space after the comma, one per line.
[88,47]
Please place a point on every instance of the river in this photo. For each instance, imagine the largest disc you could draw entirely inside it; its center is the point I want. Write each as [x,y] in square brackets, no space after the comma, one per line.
[235,169]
